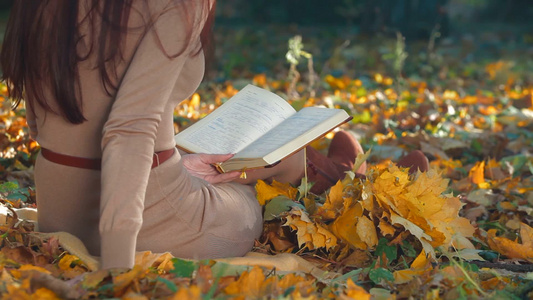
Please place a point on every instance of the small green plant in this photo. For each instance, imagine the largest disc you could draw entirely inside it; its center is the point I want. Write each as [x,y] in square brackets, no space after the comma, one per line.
[11,191]
[398,57]
[293,56]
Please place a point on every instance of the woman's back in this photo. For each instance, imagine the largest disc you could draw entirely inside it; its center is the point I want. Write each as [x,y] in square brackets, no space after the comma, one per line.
[124,125]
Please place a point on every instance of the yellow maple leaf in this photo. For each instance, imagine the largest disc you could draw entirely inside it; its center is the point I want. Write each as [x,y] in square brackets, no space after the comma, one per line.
[456,229]
[311,235]
[415,230]
[388,187]
[417,203]
[266,192]
[334,202]
[345,227]
[513,249]
[423,191]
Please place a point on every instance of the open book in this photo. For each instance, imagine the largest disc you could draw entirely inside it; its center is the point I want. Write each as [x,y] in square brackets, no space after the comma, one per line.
[260,127]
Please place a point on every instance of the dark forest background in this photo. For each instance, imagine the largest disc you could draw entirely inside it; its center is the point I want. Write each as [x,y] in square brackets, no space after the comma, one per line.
[411,17]
[414,18]
[251,36]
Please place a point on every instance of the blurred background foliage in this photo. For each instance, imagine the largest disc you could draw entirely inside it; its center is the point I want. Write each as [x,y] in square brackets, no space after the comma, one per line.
[354,37]
[414,18]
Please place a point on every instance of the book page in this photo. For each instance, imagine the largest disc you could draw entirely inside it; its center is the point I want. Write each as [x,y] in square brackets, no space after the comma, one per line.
[245,117]
[295,126]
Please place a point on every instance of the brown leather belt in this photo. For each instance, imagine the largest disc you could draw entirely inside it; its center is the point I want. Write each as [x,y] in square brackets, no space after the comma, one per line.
[96,163]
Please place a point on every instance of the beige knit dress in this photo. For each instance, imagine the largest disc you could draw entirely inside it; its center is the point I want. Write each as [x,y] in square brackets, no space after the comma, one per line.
[128,206]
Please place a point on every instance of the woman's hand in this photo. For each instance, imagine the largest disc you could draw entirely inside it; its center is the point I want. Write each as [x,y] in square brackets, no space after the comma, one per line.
[200,165]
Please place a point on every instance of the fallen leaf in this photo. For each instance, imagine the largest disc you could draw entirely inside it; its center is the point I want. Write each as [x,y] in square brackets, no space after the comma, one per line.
[266,192]
[122,281]
[93,279]
[345,227]
[311,235]
[477,173]
[418,267]
[353,291]
[249,284]
[192,292]
[513,249]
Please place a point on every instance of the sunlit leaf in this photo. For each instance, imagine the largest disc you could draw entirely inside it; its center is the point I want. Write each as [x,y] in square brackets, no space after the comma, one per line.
[310,235]
[266,192]
[353,291]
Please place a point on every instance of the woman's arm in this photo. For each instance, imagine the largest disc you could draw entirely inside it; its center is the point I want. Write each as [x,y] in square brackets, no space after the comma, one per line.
[129,136]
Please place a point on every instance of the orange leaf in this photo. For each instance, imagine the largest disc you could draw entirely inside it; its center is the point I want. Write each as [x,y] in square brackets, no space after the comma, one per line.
[418,267]
[66,261]
[248,285]
[353,291]
[477,173]
[44,294]
[386,228]
[512,249]
[266,192]
[334,202]
[345,227]
[188,293]
[311,235]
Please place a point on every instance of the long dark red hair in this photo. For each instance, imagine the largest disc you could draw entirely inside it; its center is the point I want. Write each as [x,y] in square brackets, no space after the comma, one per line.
[39,48]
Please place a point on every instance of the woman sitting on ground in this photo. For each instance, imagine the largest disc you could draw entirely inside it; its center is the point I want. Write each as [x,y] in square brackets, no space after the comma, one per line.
[101,80]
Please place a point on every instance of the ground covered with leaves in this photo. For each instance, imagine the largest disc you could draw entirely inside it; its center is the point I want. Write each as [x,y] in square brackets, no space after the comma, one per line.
[462,230]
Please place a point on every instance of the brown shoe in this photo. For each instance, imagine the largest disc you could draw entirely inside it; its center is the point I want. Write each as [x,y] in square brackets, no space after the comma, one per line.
[343,150]
[321,171]
[416,160]
[326,171]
